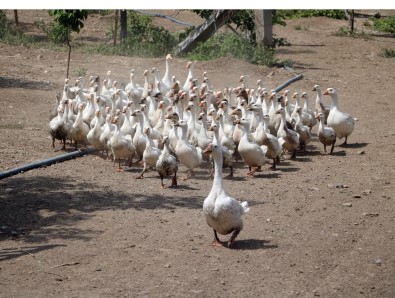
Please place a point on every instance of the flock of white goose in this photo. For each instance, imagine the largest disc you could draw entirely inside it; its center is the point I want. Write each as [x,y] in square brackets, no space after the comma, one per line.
[165,123]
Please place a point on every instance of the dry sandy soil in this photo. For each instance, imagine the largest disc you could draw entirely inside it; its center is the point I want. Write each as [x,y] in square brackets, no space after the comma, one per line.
[320,225]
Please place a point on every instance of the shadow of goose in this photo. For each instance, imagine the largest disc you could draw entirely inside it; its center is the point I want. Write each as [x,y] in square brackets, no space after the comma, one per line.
[252,244]
[354,145]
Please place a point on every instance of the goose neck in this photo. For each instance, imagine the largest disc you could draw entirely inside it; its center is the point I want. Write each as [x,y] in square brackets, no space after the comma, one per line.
[217,182]
[335,101]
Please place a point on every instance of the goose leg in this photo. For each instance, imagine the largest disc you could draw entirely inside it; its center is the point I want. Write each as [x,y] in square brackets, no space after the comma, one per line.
[325,148]
[119,165]
[293,156]
[216,241]
[273,167]
[189,174]
[161,181]
[174,180]
[234,235]
[333,146]
[141,176]
[231,172]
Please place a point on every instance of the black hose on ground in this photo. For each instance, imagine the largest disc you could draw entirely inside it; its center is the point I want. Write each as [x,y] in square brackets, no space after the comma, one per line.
[46,162]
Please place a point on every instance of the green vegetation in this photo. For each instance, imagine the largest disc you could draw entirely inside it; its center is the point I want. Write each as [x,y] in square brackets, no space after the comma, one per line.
[346,32]
[67,21]
[146,39]
[56,33]
[388,53]
[307,13]
[301,28]
[231,45]
[80,71]
[386,24]
[10,33]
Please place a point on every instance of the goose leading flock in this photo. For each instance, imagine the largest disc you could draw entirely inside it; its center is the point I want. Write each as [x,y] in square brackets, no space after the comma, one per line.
[165,123]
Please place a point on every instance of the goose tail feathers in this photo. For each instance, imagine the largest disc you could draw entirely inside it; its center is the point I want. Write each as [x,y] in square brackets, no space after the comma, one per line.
[245,206]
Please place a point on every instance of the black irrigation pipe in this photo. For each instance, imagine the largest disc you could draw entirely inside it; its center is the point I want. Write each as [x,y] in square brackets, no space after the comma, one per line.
[67,156]
[46,162]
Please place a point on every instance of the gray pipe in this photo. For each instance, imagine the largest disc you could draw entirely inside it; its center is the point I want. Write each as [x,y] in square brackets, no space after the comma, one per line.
[45,162]
[289,82]
[166,17]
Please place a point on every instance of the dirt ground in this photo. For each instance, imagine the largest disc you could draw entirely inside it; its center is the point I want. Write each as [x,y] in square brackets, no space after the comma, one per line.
[320,225]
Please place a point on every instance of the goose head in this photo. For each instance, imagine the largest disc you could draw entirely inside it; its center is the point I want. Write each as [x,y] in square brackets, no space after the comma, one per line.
[272,94]
[223,104]
[319,116]
[329,91]
[242,122]
[181,123]
[212,149]
[213,126]
[316,88]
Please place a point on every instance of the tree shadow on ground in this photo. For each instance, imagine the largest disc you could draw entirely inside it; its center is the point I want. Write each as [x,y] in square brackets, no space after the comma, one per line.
[50,207]
[12,253]
[6,82]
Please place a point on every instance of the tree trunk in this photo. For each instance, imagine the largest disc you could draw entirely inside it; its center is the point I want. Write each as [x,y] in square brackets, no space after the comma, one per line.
[124,22]
[268,27]
[259,26]
[352,20]
[68,59]
[16,17]
[116,27]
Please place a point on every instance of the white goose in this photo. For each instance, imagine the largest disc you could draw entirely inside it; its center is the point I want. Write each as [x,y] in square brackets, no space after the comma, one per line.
[58,128]
[263,137]
[289,139]
[342,123]
[306,109]
[251,153]
[227,154]
[319,104]
[223,213]
[93,135]
[121,147]
[106,134]
[305,117]
[326,134]
[189,155]
[139,140]
[151,153]
[80,129]
[203,138]
[186,86]
[166,80]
